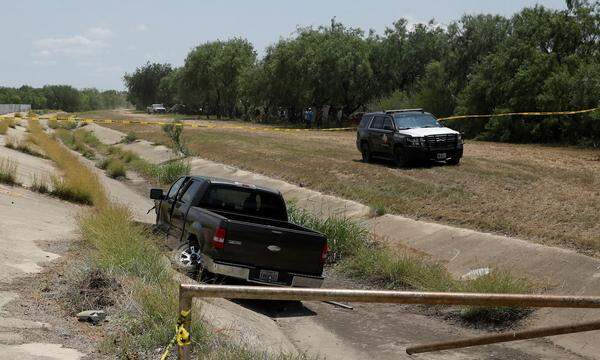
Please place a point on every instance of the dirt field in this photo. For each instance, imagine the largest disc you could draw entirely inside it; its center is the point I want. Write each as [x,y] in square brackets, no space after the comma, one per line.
[545,194]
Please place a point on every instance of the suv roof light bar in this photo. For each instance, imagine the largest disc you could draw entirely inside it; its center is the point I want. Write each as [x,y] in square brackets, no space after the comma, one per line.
[402,110]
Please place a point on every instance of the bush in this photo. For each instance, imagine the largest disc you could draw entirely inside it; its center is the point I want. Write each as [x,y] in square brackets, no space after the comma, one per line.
[130,137]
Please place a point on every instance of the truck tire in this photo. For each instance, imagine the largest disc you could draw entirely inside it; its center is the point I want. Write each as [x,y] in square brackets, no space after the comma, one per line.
[365,152]
[188,257]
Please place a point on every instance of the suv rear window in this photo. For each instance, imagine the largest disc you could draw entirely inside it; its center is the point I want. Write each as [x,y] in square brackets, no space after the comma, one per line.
[245,201]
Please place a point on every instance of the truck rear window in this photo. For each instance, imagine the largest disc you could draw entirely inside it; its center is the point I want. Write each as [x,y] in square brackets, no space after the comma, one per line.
[249,201]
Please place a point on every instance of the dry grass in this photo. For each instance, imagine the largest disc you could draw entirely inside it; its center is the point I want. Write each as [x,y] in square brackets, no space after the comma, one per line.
[540,193]
[8,171]
[26,147]
[78,184]
[41,183]
[3,126]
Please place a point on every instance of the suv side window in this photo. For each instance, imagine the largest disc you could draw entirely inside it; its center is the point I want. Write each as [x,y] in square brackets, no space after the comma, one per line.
[377,123]
[365,121]
[387,123]
[175,188]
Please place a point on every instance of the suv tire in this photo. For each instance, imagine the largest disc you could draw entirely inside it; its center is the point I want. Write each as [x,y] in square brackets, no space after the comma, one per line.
[366,153]
[453,161]
[400,158]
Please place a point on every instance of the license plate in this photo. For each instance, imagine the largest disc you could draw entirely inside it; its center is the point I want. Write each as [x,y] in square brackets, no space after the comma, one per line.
[441,156]
[268,276]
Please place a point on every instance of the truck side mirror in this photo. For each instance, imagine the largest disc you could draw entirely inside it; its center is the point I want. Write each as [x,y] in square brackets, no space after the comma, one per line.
[156,194]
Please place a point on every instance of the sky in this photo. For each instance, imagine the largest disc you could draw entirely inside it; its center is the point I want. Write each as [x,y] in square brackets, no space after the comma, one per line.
[88,43]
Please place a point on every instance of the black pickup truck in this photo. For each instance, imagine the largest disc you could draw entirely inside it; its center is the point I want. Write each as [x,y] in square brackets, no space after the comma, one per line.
[239,230]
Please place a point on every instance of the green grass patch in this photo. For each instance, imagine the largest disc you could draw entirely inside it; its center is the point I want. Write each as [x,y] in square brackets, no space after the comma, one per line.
[8,171]
[129,138]
[357,255]
[75,141]
[164,173]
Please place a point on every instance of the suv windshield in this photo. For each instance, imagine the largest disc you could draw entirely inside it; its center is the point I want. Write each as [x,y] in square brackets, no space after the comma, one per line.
[410,121]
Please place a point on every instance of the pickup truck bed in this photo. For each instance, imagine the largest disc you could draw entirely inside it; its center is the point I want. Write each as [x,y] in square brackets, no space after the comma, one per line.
[267,250]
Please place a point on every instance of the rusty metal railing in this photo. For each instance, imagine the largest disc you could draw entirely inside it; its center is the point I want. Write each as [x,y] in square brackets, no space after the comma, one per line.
[187,292]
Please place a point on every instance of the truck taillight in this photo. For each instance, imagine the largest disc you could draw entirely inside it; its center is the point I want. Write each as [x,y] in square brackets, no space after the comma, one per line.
[324,253]
[218,240]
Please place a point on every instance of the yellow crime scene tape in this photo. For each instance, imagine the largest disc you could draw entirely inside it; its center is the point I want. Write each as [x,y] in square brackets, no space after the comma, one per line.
[537,113]
[181,337]
[74,118]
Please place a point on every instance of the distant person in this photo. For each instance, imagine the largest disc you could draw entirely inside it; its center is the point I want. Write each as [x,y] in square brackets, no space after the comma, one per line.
[309,115]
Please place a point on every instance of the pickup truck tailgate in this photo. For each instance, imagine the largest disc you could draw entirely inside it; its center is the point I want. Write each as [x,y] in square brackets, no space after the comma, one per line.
[273,248]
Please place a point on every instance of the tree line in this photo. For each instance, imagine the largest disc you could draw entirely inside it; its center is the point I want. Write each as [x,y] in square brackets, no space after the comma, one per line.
[63,97]
[539,59]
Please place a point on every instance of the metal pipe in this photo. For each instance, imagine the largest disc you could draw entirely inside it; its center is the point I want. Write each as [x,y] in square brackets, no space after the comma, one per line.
[505,337]
[396,297]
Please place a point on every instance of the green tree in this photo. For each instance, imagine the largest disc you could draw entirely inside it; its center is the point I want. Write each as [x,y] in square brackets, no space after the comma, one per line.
[143,83]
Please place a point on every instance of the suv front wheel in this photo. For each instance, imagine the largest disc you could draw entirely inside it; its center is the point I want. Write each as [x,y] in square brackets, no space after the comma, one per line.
[400,157]
[453,161]
[365,152]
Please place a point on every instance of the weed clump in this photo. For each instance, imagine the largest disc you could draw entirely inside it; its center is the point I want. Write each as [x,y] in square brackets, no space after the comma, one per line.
[8,171]
[115,168]
[129,138]
[40,183]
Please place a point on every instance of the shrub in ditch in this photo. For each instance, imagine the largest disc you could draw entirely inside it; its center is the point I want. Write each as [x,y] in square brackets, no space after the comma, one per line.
[64,189]
[495,282]
[115,169]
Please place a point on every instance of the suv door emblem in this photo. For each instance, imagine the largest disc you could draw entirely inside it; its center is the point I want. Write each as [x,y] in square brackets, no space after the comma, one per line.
[274,248]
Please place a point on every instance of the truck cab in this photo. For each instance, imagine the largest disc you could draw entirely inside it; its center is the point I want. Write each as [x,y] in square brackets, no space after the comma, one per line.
[406,136]
[238,230]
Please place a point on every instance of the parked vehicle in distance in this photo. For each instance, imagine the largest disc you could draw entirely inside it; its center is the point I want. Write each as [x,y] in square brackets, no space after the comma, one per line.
[156,109]
[406,136]
[239,230]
